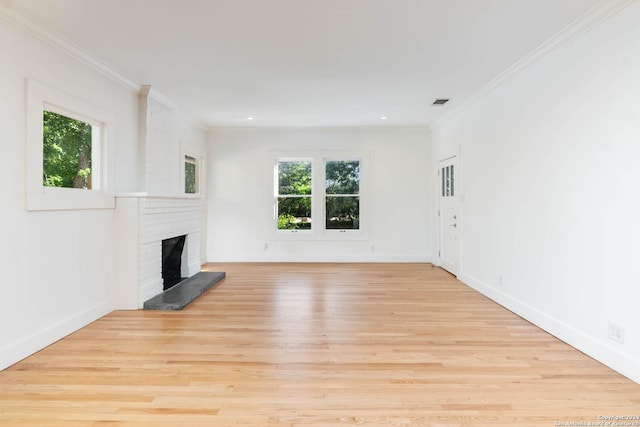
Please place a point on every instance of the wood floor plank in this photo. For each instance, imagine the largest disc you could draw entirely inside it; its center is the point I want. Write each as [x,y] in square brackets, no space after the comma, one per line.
[316,345]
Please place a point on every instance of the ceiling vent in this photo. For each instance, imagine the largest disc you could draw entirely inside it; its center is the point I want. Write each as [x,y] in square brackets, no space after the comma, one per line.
[440,101]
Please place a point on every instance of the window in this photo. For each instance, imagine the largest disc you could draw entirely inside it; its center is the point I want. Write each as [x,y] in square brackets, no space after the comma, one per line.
[68,163]
[191,178]
[66,151]
[192,163]
[294,194]
[342,194]
[319,196]
[446,179]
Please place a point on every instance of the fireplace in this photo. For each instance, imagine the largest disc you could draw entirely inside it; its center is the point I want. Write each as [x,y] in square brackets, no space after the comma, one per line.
[143,223]
[172,261]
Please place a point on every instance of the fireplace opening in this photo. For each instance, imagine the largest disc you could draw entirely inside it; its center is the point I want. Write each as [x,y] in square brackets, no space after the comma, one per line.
[172,261]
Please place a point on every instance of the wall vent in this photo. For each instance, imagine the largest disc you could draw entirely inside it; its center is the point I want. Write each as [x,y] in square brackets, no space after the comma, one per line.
[440,101]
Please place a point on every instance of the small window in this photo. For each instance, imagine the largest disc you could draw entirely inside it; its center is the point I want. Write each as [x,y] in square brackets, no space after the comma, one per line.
[66,151]
[191,173]
[447,180]
[342,194]
[69,164]
[192,163]
[294,194]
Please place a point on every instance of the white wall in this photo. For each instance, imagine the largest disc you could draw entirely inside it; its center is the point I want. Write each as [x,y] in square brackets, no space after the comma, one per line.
[550,190]
[58,268]
[168,132]
[400,207]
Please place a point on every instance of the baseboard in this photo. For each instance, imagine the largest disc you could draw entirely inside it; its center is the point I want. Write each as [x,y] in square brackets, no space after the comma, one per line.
[16,351]
[319,258]
[597,349]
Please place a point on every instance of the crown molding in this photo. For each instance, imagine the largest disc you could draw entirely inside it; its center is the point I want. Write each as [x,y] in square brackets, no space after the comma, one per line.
[152,93]
[596,15]
[30,25]
[38,30]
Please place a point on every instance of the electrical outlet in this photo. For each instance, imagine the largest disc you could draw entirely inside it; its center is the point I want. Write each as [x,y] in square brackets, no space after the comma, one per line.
[500,281]
[615,332]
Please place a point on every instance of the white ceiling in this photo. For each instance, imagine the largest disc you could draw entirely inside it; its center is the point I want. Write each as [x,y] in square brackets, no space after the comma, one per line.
[309,62]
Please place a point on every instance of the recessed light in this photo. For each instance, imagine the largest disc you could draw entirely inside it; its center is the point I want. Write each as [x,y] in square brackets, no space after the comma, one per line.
[383,118]
[249,118]
[440,101]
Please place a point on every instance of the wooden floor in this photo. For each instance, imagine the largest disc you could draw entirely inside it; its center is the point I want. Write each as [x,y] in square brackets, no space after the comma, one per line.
[316,345]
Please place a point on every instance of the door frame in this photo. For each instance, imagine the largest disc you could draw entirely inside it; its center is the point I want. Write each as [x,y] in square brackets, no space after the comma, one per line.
[439,218]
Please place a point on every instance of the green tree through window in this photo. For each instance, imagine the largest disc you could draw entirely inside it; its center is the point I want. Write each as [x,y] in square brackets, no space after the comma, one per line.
[294,195]
[190,175]
[66,152]
[342,190]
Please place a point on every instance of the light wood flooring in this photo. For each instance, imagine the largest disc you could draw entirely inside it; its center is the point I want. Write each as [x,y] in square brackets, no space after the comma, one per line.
[316,345]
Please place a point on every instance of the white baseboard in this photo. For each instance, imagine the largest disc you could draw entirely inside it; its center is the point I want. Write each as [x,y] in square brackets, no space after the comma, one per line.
[318,258]
[597,349]
[16,351]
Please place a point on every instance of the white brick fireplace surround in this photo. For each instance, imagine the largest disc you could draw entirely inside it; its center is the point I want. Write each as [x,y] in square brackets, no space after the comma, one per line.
[143,221]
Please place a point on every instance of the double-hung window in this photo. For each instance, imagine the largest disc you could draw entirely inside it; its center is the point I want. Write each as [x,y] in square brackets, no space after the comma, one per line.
[319,195]
[342,194]
[294,193]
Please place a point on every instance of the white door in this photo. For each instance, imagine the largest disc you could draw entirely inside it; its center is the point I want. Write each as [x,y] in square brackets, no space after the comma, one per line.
[448,214]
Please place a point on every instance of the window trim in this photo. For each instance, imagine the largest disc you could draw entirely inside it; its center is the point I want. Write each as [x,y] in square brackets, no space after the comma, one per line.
[276,194]
[38,197]
[318,197]
[187,151]
[326,230]
[196,164]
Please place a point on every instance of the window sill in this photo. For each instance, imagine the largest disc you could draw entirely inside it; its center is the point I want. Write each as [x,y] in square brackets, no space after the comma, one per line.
[53,199]
[324,235]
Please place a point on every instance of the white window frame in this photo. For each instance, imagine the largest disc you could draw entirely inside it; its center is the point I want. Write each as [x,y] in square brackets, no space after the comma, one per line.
[346,231]
[318,197]
[304,233]
[200,157]
[196,164]
[38,197]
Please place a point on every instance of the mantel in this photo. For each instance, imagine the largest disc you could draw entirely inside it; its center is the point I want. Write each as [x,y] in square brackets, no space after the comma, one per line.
[139,195]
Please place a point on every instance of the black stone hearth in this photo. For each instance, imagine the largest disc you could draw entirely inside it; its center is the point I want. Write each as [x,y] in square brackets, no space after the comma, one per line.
[172,261]
[184,292]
